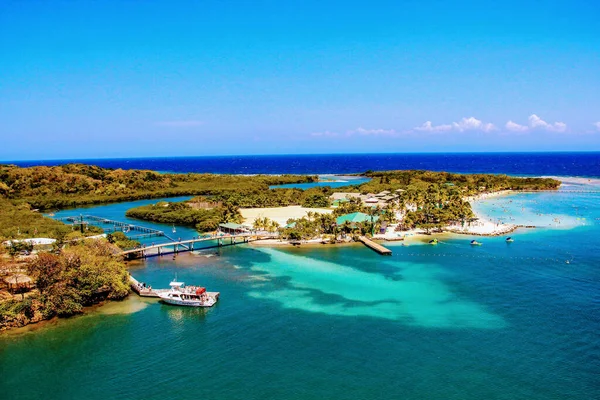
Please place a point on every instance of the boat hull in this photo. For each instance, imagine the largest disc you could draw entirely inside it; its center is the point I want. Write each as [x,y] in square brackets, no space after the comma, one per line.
[187,303]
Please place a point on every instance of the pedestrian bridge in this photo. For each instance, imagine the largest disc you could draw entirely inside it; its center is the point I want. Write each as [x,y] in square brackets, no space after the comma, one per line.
[191,244]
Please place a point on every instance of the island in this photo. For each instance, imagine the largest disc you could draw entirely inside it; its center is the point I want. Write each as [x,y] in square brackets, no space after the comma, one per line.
[52,269]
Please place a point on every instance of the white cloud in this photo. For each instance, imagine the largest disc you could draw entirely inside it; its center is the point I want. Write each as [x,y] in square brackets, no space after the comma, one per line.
[537,122]
[473,124]
[514,127]
[363,131]
[429,127]
[597,125]
[465,124]
[181,124]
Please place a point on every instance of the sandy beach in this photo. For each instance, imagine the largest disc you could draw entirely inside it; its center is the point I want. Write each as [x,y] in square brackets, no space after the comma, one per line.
[574,180]
[279,214]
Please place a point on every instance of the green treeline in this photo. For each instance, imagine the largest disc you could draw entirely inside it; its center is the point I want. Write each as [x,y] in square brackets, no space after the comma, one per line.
[20,221]
[184,214]
[426,199]
[79,275]
[226,204]
[258,197]
[466,184]
[73,185]
[431,200]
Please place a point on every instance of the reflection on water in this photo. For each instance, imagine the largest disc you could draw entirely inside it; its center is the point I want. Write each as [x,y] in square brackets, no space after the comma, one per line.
[130,305]
[179,315]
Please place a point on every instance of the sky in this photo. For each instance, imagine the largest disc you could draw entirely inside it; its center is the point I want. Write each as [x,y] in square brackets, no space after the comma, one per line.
[101,79]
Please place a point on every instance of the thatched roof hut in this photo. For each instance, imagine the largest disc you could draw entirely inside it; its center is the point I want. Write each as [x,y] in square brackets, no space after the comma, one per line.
[18,281]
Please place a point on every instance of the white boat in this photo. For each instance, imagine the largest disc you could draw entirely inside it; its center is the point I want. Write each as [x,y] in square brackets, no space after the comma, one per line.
[190,296]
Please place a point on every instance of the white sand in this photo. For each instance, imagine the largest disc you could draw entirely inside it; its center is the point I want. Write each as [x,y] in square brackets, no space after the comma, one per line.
[278,214]
[574,180]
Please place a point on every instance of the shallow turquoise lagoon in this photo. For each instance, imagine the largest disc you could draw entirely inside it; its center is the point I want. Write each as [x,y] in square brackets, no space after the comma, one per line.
[499,321]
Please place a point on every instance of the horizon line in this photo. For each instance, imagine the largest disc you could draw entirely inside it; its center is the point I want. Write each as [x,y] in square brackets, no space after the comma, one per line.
[304,154]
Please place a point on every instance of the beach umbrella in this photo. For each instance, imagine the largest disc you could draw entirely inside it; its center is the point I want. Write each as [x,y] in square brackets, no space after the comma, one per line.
[16,280]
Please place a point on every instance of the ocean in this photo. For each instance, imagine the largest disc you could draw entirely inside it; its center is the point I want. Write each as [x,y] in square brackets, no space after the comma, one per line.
[532,164]
[499,321]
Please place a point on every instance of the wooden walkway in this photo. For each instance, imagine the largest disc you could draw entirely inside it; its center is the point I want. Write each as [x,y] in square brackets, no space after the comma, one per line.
[191,245]
[109,226]
[375,246]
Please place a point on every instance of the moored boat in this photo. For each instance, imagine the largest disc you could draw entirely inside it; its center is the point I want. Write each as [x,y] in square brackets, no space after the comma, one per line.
[475,243]
[433,241]
[509,240]
[190,296]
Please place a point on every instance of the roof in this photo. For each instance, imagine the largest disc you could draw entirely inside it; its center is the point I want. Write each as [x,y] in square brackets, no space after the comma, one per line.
[231,225]
[386,198]
[384,193]
[17,278]
[33,241]
[356,217]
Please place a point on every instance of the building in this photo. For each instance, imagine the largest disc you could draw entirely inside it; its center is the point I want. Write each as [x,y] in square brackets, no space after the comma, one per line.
[233,228]
[355,218]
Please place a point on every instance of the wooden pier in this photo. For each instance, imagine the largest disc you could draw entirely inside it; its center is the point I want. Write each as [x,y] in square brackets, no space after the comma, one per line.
[176,247]
[375,246]
[110,226]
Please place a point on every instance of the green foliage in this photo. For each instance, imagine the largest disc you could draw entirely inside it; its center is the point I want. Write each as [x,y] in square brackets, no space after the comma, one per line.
[467,184]
[80,275]
[19,221]
[265,224]
[183,214]
[73,185]
[13,308]
[121,240]
[18,247]
[315,200]
[439,197]
[351,206]
[309,227]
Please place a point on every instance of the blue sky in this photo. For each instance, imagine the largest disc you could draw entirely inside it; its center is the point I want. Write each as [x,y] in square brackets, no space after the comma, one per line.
[164,78]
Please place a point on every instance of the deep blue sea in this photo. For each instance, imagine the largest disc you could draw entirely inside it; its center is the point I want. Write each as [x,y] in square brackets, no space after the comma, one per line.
[505,321]
[535,164]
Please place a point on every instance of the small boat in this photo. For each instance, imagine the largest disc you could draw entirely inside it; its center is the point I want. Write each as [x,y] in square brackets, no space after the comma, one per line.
[475,243]
[509,240]
[174,230]
[190,296]
[433,241]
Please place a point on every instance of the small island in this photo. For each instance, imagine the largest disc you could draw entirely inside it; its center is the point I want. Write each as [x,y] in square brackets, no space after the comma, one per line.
[52,269]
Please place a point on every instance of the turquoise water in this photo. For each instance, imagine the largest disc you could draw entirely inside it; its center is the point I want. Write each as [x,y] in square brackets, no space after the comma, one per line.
[499,321]
[116,212]
[332,181]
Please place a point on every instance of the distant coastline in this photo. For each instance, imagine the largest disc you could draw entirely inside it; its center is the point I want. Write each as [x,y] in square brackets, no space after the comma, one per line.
[563,164]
